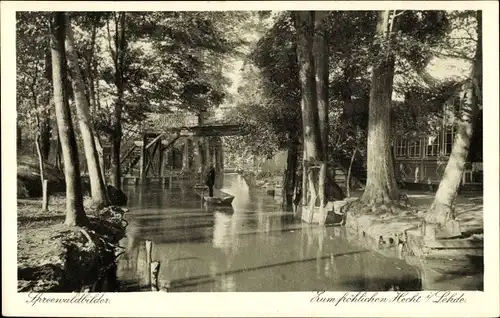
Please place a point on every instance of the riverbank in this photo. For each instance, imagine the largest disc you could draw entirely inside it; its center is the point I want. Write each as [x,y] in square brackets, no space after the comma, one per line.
[454,261]
[53,257]
[404,237]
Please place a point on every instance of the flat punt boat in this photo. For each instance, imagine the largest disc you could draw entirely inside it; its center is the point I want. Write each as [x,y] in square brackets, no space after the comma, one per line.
[220,197]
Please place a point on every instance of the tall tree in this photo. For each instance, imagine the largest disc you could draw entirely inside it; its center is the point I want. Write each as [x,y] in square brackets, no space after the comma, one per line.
[320,53]
[91,50]
[34,77]
[442,209]
[75,214]
[312,146]
[98,188]
[381,187]
[118,53]
[272,107]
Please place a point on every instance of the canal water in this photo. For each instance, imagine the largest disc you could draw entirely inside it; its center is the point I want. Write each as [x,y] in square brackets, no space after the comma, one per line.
[251,247]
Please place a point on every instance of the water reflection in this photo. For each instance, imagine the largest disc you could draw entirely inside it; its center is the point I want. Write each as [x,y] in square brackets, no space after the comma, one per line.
[253,246]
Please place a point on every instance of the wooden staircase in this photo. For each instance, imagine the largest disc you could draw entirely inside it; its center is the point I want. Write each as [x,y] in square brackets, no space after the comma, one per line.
[137,150]
[135,156]
[358,172]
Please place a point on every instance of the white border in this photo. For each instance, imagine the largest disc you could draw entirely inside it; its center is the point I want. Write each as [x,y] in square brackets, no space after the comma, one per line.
[479,304]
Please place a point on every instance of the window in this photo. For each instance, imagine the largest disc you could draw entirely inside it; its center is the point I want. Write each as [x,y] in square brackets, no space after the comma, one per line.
[449,136]
[432,146]
[401,147]
[414,149]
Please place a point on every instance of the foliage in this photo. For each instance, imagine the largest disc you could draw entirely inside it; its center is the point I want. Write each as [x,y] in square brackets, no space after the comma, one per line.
[179,60]
[173,60]
[267,103]
[353,49]
[252,112]
[32,61]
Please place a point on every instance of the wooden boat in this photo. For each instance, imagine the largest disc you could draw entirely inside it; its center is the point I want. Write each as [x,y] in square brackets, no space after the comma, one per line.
[220,197]
[200,186]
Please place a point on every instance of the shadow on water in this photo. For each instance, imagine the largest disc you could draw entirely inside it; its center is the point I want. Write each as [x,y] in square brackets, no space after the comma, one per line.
[251,246]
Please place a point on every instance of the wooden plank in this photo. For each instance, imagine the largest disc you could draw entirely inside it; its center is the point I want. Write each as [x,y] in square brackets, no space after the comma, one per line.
[152,157]
[160,161]
[172,142]
[128,154]
[154,140]
[142,169]
[208,130]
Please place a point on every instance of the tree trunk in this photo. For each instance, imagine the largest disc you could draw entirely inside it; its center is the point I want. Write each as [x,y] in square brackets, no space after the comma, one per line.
[346,93]
[94,88]
[442,209]
[19,137]
[45,124]
[58,156]
[117,112]
[41,164]
[100,154]
[40,157]
[348,180]
[90,67]
[313,148]
[219,162]
[45,137]
[312,138]
[290,176]
[320,53]
[75,214]
[381,187]
[97,186]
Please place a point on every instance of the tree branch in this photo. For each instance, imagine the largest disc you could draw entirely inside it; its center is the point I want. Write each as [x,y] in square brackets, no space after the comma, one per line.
[452,55]
[400,13]
[113,54]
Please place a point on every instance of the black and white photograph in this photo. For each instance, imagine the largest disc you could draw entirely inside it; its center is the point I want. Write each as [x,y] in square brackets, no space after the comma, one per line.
[329,152]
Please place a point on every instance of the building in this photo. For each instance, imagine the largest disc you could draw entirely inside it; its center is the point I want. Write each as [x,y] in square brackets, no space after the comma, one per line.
[423,159]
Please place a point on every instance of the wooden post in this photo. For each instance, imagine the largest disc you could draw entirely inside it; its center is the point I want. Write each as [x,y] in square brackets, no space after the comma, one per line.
[219,162]
[209,151]
[154,270]
[152,267]
[160,161]
[190,153]
[149,249]
[151,157]
[170,158]
[45,195]
[142,170]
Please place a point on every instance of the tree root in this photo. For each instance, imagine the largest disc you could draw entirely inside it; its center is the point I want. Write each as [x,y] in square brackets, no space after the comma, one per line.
[87,235]
[439,214]
[388,208]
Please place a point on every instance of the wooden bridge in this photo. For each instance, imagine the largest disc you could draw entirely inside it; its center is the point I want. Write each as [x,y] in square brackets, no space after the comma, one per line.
[160,135]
